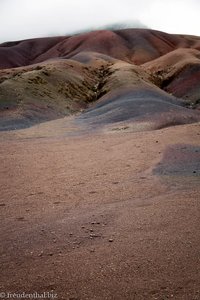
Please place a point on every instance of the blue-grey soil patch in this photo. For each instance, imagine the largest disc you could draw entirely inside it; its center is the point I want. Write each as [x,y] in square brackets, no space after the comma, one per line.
[139,104]
[179,160]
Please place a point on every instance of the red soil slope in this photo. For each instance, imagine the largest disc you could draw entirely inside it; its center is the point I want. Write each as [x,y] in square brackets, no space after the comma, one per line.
[133,45]
[178,72]
[131,75]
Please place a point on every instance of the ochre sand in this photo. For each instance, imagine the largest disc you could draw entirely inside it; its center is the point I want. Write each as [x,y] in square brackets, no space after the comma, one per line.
[89,218]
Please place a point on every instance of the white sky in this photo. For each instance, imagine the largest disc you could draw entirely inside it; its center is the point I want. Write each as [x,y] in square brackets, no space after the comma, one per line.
[21,19]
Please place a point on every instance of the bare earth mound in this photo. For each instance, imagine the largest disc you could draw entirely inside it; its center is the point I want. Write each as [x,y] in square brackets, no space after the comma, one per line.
[99,187]
[132,75]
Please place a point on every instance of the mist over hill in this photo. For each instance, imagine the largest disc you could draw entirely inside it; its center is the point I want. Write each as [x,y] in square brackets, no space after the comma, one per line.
[114,26]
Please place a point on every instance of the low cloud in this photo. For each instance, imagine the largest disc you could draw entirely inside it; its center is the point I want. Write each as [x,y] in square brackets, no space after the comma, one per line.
[21,19]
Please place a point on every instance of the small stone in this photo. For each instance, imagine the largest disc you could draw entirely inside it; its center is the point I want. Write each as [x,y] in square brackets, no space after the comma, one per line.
[50,254]
[93,235]
[110,240]
[91,230]
[20,219]
[40,254]
[71,234]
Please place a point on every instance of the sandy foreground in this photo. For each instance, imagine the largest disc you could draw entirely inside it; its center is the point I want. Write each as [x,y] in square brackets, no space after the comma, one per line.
[113,215]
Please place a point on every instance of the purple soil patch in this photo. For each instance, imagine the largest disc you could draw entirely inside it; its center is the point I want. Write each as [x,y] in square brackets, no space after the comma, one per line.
[179,160]
[185,82]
